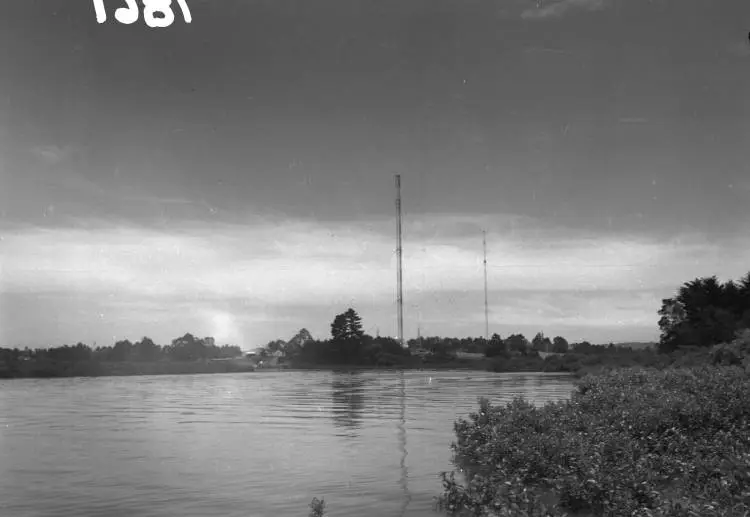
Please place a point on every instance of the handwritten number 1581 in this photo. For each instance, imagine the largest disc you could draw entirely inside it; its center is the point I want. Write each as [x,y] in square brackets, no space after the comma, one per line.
[129,14]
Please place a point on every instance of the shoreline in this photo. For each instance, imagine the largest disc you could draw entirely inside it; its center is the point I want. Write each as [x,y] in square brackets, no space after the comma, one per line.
[50,370]
[65,369]
[576,364]
[70,370]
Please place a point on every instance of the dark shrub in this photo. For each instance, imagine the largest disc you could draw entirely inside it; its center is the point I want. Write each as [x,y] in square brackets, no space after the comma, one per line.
[630,442]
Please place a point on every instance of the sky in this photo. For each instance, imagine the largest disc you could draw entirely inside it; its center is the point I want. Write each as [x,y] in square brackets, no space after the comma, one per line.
[234,176]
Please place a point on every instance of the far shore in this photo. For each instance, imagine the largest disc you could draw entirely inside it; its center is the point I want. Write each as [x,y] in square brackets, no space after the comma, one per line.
[55,369]
[92,368]
[121,369]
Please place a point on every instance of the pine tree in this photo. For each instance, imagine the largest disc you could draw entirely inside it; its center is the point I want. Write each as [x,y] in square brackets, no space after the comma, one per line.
[347,336]
[353,325]
[347,326]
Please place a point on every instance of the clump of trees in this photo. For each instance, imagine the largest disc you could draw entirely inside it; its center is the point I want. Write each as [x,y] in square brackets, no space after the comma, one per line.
[448,346]
[541,343]
[560,345]
[704,312]
[517,343]
[183,348]
[81,359]
[350,345]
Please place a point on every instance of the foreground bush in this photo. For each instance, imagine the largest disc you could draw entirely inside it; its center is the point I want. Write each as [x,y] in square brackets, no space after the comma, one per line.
[737,352]
[629,442]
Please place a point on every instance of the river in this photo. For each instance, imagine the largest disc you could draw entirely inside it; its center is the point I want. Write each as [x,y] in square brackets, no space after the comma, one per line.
[257,444]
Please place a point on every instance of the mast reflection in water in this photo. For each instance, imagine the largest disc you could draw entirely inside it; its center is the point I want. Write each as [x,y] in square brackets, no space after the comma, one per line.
[404,480]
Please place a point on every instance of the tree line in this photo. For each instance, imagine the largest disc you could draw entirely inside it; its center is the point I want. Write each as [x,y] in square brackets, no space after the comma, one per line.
[495,346]
[349,344]
[184,348]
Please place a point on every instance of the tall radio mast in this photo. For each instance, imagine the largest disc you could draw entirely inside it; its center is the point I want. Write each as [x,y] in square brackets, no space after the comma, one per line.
[486,306]
[399,277]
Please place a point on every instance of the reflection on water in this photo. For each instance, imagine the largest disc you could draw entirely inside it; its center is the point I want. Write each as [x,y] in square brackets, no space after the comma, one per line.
[348,392]
[404,480]
[261,444]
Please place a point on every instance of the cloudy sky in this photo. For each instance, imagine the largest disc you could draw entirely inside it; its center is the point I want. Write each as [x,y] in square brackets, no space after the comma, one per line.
[234,176]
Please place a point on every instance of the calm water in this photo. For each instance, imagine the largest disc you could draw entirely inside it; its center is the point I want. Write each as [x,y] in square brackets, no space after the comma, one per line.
[251,445]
